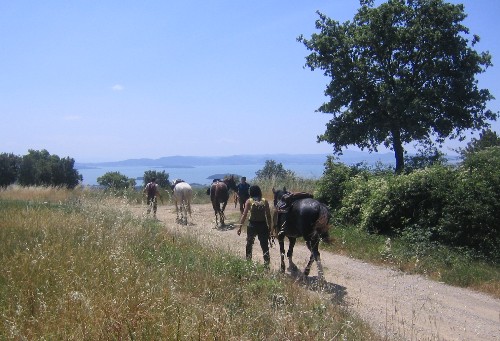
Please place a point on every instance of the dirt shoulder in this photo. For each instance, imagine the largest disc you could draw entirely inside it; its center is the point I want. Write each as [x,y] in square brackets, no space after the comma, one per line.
[395,304]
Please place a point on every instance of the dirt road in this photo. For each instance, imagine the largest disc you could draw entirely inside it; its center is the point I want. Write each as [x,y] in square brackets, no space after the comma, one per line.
[397,305]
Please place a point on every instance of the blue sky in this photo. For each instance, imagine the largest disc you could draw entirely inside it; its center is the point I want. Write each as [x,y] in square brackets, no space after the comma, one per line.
[114,80]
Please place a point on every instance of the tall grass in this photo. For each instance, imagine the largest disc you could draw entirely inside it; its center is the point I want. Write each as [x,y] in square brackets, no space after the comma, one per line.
[82,268]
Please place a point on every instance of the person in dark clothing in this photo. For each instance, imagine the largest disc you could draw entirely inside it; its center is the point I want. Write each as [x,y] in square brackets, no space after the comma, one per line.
[259,223]
[152,192]
[243,193]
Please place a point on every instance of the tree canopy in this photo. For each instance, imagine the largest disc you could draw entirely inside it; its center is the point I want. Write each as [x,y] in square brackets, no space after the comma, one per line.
[273,170]
[40,168]
[9,168]
[487,138]
[116,181]
[402,72]
[161,178]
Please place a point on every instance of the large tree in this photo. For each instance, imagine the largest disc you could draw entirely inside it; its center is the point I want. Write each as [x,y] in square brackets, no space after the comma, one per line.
[401,72]
[9,168]
[39,168]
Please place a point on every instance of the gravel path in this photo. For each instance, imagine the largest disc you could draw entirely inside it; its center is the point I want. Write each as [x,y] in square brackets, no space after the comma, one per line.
[397,305]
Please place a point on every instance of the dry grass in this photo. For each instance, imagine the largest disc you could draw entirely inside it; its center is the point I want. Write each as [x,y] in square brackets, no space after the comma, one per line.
[74,267]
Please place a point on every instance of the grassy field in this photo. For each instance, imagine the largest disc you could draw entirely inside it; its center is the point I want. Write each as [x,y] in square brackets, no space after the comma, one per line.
[75,267]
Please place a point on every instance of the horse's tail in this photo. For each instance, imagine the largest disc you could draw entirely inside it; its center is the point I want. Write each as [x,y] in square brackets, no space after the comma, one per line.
[322,225]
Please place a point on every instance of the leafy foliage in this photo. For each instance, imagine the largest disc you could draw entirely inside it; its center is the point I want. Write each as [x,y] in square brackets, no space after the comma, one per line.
[273,170]
[39,168]
[425,157]
[472,214]
[487,138]
[402,72]
[161,178]
[115,180]
[332,186]
[458,207]
[9,168]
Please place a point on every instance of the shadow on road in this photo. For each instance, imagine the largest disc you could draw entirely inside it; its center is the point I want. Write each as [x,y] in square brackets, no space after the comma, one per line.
[313,283]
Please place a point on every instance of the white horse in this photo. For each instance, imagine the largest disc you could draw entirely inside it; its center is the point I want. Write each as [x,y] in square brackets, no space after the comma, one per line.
[183,194]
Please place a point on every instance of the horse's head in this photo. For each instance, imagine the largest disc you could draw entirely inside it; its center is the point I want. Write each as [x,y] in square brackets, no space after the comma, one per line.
[176,181]
[278,194]
[231,183]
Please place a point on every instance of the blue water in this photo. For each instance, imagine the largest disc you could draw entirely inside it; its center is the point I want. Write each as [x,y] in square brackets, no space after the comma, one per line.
[198,174]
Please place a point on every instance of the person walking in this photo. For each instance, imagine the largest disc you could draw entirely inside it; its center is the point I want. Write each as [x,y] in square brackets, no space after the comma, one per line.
[259,223]
[152,191]
[243,192]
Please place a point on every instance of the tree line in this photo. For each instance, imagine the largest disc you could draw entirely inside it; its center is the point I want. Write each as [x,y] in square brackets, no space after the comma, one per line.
[38,168]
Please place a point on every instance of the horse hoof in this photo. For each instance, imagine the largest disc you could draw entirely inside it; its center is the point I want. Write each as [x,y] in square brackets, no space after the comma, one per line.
[283,268]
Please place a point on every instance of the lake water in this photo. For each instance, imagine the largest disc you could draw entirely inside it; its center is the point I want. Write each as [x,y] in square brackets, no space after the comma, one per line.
[198,174]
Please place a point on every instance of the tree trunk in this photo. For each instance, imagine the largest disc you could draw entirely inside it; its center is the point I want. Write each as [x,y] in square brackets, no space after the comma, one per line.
[398,151]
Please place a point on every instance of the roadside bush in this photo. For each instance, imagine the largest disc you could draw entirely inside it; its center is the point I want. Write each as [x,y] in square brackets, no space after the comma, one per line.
[455,207]
[413,201]
[331,188]
[357,192]
[472,213]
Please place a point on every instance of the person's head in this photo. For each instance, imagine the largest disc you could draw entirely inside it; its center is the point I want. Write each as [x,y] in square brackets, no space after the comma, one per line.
[255,192]
[243,179]
[153,179]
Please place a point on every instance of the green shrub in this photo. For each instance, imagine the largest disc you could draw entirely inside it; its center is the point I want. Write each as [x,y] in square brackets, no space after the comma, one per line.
[471,216]
[414,200]
[334,185]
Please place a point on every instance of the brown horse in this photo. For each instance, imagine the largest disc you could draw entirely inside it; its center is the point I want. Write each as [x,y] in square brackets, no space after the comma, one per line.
[219,195]
[297,216]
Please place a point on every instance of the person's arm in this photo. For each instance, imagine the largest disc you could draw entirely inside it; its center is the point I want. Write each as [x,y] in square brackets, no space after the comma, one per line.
[244,215]
[269,217]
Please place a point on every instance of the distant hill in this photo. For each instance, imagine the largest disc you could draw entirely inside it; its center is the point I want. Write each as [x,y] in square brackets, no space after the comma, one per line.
[349,157]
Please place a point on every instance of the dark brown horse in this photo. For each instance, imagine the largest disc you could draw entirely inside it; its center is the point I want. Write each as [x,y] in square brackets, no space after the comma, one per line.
[300,216]
[219,195]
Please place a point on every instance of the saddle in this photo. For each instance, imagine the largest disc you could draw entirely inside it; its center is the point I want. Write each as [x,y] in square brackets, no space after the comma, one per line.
[288,199]
[284,205]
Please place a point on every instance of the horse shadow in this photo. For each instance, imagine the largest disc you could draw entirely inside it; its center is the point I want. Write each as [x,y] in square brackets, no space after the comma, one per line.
[336,292]
[225,227]
[182,223]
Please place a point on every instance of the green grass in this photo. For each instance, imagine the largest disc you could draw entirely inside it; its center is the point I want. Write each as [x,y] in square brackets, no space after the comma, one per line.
[452,266]
[85,268]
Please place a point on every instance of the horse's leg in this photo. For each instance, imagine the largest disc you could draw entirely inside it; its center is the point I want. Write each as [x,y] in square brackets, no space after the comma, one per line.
[222,215]
[281,242]
[311,259]
[176,209]
[189,207]
[313,246]
[289,254]
[215,205]
[183,214]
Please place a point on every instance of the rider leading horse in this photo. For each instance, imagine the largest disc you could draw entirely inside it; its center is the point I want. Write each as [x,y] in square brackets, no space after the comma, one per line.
[219,195]
[300,216]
